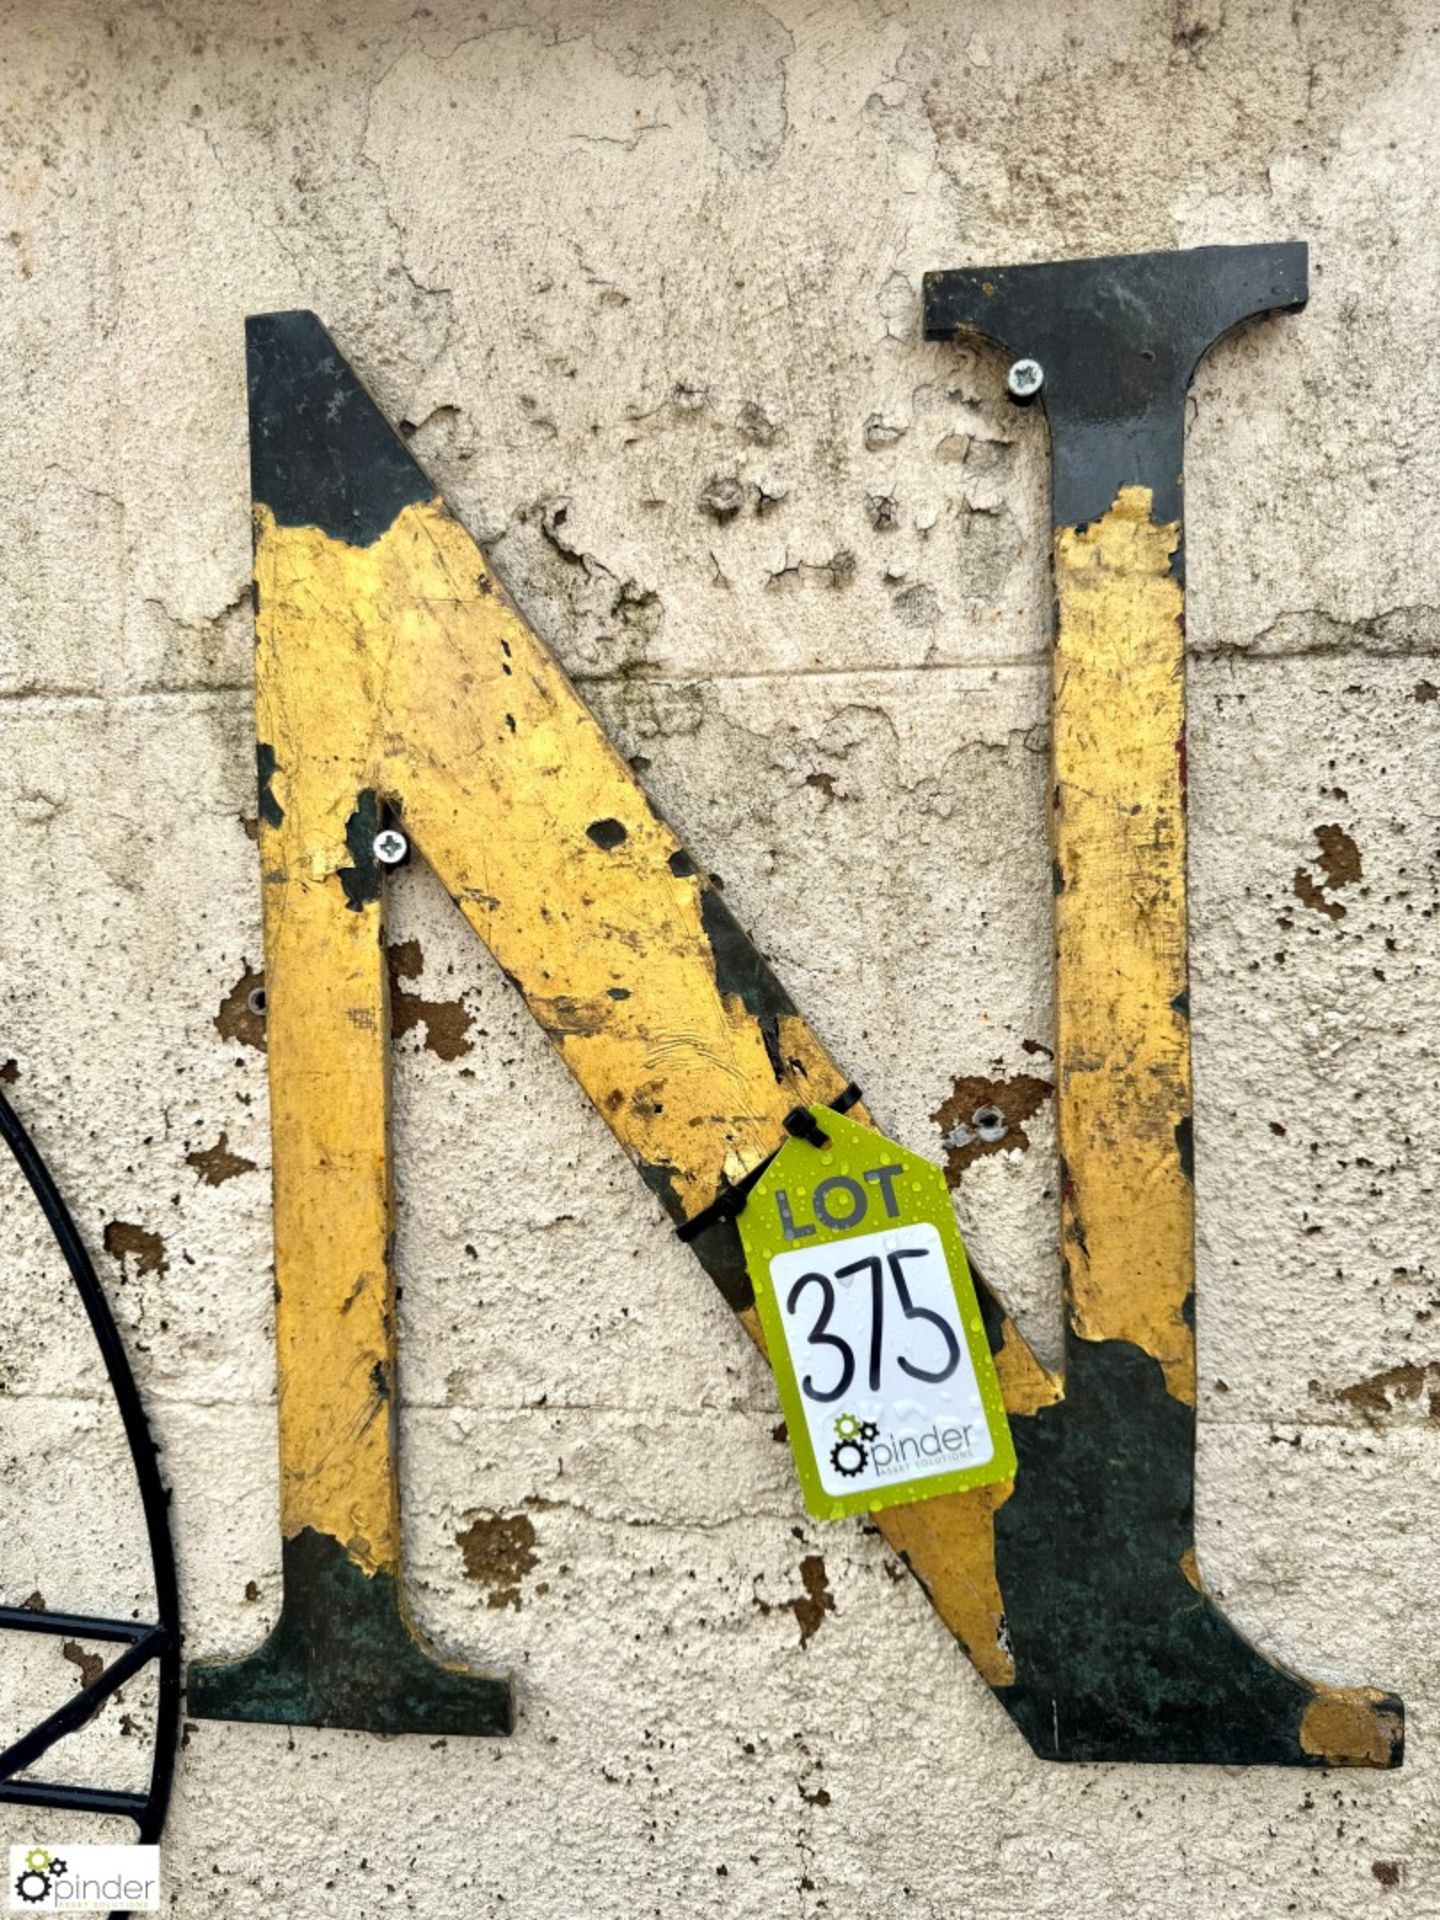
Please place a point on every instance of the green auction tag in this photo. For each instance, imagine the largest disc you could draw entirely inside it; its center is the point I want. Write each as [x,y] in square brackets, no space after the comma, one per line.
[872,1323]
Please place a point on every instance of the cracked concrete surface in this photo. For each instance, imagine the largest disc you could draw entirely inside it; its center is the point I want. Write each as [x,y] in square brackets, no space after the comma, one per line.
[640,281]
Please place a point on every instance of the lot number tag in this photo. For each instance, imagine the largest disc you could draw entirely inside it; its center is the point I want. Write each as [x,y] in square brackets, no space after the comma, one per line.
[872,1324]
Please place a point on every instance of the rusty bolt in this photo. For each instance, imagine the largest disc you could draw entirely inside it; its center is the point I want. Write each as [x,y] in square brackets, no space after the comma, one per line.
[1025,380]
[391,847]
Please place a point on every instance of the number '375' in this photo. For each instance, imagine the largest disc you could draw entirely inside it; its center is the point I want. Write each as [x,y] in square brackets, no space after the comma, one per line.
[821,1336]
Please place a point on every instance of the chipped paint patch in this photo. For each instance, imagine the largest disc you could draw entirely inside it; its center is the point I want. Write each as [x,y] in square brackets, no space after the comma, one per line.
[265,768]
[215,1165]
[444,1024]
[499,1550]
[126,1242]
[1339,865]
[981,1116]
[811,1606]
[91,1665]
[241,1014]
[1407,1385]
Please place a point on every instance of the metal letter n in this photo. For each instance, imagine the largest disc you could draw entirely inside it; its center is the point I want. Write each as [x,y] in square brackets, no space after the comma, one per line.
[398,688]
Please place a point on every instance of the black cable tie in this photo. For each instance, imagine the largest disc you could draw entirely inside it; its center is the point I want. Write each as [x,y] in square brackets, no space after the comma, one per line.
[731,1200]
[726,1204]
[801,1124]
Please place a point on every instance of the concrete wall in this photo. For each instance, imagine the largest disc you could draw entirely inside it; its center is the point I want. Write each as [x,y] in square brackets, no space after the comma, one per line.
[623,268]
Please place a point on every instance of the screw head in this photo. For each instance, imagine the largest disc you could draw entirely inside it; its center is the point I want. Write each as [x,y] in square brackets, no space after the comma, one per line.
[391,847]
[1025,379]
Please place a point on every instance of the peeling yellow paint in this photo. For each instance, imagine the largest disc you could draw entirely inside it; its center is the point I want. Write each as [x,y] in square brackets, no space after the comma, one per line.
[1026,1385]
[812,1065]
[1351,1727]
[1127,1221]
[1190,1567]
[329,1094]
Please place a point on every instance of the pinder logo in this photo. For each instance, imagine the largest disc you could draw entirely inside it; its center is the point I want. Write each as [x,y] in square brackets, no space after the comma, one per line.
[38,1875]
[850,1454]
[84,1879]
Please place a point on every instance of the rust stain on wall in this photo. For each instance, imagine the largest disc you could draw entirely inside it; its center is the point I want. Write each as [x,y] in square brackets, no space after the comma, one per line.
[981,1116]
[215,1165]
[446,1023]
[1340,866]
[499,1550]
[130,1242]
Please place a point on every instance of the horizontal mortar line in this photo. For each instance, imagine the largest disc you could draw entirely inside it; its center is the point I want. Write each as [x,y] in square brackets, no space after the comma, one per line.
[660,676]
[998,663]
[83,696]
[161,1398]
[1228,650]
[127,696]
[663,1523]
[1394,1423]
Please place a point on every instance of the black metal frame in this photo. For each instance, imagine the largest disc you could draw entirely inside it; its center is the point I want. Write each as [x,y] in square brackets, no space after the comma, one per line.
[142,1641]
